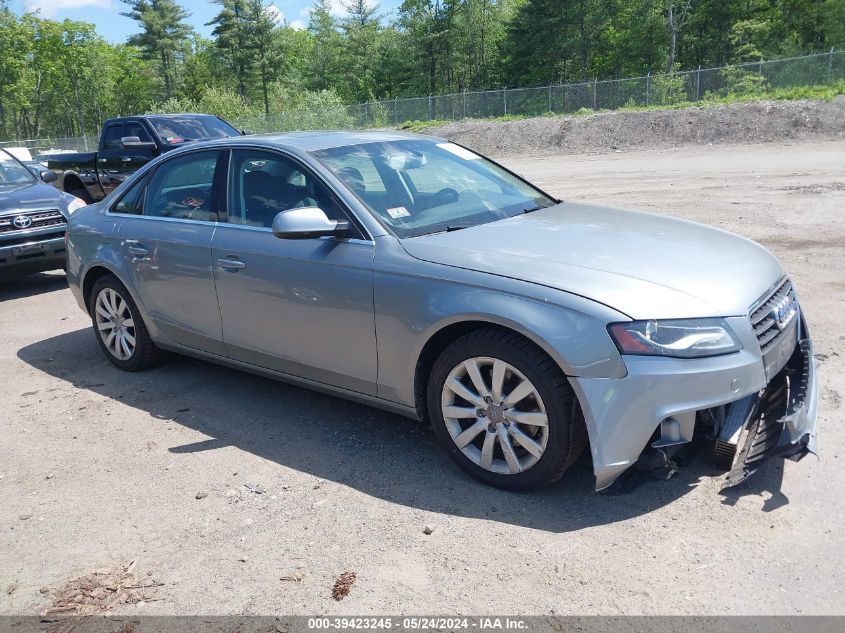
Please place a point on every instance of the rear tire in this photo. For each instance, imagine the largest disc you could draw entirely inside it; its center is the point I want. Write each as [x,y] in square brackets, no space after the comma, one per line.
[522,427]
[119,327]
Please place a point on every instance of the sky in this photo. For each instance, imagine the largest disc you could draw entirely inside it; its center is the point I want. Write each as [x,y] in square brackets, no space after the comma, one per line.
[105,14]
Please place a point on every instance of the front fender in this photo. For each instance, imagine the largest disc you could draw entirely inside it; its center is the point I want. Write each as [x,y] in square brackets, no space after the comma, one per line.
[412,308]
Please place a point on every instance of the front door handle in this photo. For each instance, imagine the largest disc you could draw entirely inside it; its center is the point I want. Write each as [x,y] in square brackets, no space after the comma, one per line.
[231,264]
[126,159]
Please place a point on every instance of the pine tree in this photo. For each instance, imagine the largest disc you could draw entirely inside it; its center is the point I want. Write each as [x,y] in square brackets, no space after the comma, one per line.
[164,34]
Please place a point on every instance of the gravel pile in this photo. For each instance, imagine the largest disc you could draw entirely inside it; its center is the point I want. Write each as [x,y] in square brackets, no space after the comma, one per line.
[757,122]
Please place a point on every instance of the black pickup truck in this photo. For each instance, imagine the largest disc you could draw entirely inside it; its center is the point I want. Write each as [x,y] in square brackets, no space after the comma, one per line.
[128,143]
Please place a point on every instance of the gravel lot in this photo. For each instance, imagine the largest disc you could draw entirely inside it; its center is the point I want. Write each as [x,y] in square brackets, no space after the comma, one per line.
[99,467]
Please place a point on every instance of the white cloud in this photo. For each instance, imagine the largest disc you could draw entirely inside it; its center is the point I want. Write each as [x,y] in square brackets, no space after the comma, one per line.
[276,14]
[50,8]
[298,25]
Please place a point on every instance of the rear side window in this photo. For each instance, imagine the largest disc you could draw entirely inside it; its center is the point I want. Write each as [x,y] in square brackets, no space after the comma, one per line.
[182,188]
[112,136]
[132,202]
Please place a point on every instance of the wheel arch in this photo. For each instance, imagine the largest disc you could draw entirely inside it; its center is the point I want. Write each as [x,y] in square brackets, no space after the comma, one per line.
[446,333]
[72,182]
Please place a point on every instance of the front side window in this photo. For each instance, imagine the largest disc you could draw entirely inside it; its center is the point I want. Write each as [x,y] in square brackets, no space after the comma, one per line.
[182,188]
[136,129]
[12,172]
[419,186]
[262,184]
[112,136]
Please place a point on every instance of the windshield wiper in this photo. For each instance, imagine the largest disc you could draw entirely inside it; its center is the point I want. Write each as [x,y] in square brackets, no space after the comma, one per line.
[457,227]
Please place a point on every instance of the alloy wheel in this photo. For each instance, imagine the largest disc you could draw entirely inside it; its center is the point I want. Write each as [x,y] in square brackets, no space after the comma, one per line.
[495,415]
[115,324]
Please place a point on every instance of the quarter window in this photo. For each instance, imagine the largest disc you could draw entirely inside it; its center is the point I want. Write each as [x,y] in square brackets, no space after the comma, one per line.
[132,202]
[182,188]
[262,184]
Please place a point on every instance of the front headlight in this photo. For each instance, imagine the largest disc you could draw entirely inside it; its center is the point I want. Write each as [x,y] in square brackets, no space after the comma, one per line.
[74,204]
[678,338]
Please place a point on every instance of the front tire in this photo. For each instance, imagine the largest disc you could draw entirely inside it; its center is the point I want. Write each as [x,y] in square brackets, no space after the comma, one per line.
[504,411]
[119,328]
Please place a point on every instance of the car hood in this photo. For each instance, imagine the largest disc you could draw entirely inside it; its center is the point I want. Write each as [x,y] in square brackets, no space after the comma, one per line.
[28,197]
[644,265]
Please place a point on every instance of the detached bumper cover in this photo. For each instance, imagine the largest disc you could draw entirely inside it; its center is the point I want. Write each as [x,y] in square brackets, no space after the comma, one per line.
[785,423]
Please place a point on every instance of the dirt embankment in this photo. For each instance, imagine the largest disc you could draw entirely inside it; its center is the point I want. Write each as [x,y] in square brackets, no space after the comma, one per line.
[757,122]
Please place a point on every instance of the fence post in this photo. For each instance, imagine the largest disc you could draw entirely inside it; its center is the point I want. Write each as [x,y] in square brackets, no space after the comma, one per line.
[430,108]
[648,89]
[505,100]
[595,81]
[396,110]
[830,66]
[464,104]
[550,96]
[698,83]
[366,113]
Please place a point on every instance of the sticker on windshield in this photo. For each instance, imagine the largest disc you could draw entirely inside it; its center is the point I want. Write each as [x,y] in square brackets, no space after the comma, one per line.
[398,212]
[458,151]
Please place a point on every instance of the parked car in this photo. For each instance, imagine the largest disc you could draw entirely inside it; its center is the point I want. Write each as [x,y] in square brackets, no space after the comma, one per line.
[126,144]
[33,215]
[413,274]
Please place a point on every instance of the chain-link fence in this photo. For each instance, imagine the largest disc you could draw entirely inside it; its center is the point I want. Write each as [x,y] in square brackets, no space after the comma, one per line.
[757,78]
[690,86]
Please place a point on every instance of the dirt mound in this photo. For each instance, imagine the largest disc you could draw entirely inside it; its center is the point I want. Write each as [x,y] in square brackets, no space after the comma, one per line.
[757,122]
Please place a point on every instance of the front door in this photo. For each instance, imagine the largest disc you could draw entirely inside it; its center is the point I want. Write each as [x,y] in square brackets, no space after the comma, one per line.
[302,307]
[166,243]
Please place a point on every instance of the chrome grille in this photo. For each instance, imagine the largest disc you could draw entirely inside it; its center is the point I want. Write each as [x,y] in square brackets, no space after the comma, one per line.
[766,327]
[40,219]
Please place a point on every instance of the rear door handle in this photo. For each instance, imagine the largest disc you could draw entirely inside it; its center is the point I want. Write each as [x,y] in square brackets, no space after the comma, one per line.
[137,249]
[230,264]
[126,159]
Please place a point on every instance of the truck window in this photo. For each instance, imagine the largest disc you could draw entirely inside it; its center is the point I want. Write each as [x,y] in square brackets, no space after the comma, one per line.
[133,128]
[112,135]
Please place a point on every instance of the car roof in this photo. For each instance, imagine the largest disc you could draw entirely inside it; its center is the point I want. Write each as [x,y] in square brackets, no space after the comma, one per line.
[319,139]
[135,117]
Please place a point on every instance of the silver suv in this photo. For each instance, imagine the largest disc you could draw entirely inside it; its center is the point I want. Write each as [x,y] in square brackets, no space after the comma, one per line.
[411,273]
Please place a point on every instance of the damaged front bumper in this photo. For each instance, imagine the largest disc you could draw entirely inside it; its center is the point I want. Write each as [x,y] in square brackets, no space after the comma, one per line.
[661,402]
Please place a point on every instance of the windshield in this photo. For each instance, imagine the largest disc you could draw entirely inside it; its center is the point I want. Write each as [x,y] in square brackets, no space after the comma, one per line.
[425,186]
[175,130]
[13,172]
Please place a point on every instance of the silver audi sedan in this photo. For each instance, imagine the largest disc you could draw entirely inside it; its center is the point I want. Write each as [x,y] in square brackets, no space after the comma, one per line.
[413,274]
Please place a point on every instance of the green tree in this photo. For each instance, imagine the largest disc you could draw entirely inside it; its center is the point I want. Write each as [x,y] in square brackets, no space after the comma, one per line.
[232,33]
[163,36]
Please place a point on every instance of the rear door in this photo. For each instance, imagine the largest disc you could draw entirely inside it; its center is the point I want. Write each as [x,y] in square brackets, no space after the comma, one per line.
[167,248]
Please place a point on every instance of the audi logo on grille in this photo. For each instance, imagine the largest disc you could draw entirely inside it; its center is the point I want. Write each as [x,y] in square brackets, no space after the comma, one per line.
[784,311]
[22,222]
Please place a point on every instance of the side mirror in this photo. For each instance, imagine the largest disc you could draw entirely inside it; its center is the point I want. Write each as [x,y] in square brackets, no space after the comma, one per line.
[307,223]
[247,132]
[48,176]
[134,142]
